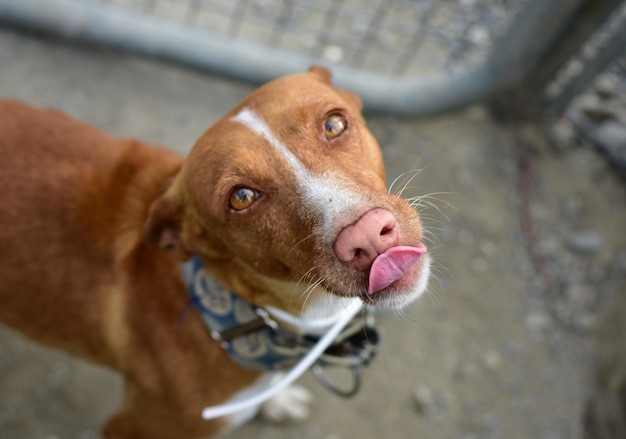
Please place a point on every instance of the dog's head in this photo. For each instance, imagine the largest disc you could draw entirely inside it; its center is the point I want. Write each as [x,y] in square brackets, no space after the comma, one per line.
[285,199]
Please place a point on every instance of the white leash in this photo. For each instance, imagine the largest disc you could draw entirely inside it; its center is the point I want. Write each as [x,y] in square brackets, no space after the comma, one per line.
[298,370]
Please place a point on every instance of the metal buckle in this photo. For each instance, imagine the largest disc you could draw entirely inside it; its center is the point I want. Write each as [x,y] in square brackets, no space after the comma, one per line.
[225,336]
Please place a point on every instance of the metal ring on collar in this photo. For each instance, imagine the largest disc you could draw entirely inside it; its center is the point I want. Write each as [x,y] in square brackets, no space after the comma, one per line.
[318,371]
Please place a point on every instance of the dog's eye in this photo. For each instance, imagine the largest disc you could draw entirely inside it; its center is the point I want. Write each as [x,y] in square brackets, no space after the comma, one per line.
[242,198]
[335,125]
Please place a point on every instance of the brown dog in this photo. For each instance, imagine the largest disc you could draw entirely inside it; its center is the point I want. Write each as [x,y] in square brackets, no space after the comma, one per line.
[284,200]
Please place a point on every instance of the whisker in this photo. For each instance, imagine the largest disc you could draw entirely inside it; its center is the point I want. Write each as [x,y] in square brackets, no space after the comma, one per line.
[406,185]
[402,315]
[302,240]
[306,295]
[425,198]
[305,275]
[404,174]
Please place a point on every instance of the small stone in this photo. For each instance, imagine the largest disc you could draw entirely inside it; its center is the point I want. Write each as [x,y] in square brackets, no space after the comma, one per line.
[468,3]
[575,67]
[441,401]
[464,371]
[572,207]
[536,322]
[585,242]
[423,399]
[612,135]
[550,245]
[587,322]
[488,248]
[588,101]
[564,133]
[478,35]
[492,360]
[607,84]
[333,53]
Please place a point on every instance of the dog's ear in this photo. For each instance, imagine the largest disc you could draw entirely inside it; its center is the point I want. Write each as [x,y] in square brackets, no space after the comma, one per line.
[325,75]
[322,73]
[164,225]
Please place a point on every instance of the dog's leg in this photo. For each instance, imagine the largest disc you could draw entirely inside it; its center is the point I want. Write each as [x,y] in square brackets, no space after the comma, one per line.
[290,404]
[144,415]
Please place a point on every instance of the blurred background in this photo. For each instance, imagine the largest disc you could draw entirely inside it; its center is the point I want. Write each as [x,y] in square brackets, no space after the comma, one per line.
[513,110]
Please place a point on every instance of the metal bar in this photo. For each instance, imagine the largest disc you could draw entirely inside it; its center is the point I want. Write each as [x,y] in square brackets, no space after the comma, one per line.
[529,99]
[607,44]
[331,14]
[589,131]
[372,31]
[193,11]
[281,22]
[149,6]
[237,17]
[417,39]
[571,38]
[508,62]
[615,48]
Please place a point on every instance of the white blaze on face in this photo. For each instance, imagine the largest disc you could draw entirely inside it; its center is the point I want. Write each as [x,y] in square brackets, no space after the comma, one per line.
[254,122]
[325,193]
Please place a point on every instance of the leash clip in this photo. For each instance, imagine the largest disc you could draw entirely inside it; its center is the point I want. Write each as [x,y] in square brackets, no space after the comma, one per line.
[354,348]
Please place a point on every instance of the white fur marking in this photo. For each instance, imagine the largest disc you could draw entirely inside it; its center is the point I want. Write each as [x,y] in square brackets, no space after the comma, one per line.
[326,192]
[290,404]
[333,199]
[250,119]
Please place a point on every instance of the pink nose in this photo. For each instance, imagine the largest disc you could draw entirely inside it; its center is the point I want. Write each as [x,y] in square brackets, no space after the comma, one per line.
[360,243]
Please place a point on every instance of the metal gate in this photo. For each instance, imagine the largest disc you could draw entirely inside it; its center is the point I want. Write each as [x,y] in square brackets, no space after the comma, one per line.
[413,57]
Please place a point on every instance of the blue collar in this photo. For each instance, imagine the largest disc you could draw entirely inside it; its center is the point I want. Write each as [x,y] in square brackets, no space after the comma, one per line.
[253,337]
[247,332]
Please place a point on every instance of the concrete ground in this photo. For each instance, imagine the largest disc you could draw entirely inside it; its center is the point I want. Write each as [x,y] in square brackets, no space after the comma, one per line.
[529,260]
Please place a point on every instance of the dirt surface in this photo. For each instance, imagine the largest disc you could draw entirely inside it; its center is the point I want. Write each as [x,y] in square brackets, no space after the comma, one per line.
[511,340]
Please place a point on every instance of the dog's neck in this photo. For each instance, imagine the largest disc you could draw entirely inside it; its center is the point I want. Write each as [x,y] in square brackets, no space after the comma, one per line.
[260,338]
[317,316]
[306,303]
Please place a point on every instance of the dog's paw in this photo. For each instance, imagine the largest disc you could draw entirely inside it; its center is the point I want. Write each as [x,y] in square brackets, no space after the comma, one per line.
[290,404]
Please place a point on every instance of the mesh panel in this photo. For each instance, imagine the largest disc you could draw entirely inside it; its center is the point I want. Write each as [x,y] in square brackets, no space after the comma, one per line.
[394,37]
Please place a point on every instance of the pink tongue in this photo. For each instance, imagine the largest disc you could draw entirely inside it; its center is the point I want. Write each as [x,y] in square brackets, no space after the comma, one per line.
[390,266]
